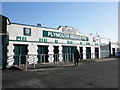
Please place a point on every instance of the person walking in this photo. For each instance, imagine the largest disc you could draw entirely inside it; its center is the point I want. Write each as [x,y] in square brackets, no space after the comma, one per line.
[76,57]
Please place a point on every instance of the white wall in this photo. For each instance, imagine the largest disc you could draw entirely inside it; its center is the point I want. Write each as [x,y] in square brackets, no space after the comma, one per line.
[36,33]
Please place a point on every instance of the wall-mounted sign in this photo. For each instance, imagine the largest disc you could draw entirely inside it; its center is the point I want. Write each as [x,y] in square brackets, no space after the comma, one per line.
[96,44]
[18,38]
[64,36]
[43,40]
[80,43]
[56,41]
[27,31]
[69,42]
[87,43]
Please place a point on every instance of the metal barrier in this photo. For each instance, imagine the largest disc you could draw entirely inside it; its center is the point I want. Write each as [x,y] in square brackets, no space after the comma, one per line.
[33,59]
[89,55]
[54,59]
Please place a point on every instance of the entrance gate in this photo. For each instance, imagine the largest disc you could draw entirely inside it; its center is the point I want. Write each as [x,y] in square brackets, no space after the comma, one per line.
[68,51]
[88,53]
[56,52]
[42,50]
[81,52]
[20,52]
[113,50]
[96,52]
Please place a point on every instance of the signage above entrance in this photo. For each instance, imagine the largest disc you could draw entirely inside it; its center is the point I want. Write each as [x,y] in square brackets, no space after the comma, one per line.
[64,36]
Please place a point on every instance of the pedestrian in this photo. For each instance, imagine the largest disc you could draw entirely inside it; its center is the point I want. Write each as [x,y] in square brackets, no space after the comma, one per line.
[76,57]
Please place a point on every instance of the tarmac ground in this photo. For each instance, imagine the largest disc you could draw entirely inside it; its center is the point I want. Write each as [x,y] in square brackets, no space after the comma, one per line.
[101,73]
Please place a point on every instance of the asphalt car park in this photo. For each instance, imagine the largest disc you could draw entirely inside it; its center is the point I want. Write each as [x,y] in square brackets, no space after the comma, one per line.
[101,73]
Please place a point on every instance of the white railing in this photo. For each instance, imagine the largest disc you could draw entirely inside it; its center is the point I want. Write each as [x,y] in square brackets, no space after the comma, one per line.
[34,59]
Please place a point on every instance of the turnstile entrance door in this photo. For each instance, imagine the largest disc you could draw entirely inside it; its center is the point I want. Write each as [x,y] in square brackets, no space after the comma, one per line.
[113,50]
[67,52]
[88,52]
[81,52]
[20,52]
[96,52]
[56,52]
[42,53]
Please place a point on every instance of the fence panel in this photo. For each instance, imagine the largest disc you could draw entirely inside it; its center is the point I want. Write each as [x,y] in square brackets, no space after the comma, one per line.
[40,59]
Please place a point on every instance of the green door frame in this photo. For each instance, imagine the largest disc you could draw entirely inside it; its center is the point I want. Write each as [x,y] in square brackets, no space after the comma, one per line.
[20,52]
[88,52]
[56,51]
[42,50]
[81,52]
[68,50]
[96,52]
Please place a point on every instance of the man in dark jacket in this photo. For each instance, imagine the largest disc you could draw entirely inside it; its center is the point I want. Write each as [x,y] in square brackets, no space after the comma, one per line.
[76,57]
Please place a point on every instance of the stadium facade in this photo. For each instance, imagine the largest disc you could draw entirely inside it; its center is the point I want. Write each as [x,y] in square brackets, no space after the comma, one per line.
[21,39]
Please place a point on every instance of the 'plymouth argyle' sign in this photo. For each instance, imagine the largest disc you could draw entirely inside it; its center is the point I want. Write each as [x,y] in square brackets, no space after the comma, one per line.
[64,36]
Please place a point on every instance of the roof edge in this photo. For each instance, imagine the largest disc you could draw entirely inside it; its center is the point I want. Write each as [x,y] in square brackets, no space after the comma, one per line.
[32,25]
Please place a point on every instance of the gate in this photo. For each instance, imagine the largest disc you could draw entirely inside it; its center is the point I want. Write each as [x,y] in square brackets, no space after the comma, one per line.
[88,53]
[96,52]
[20,52]
[68,51]
[42,50]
